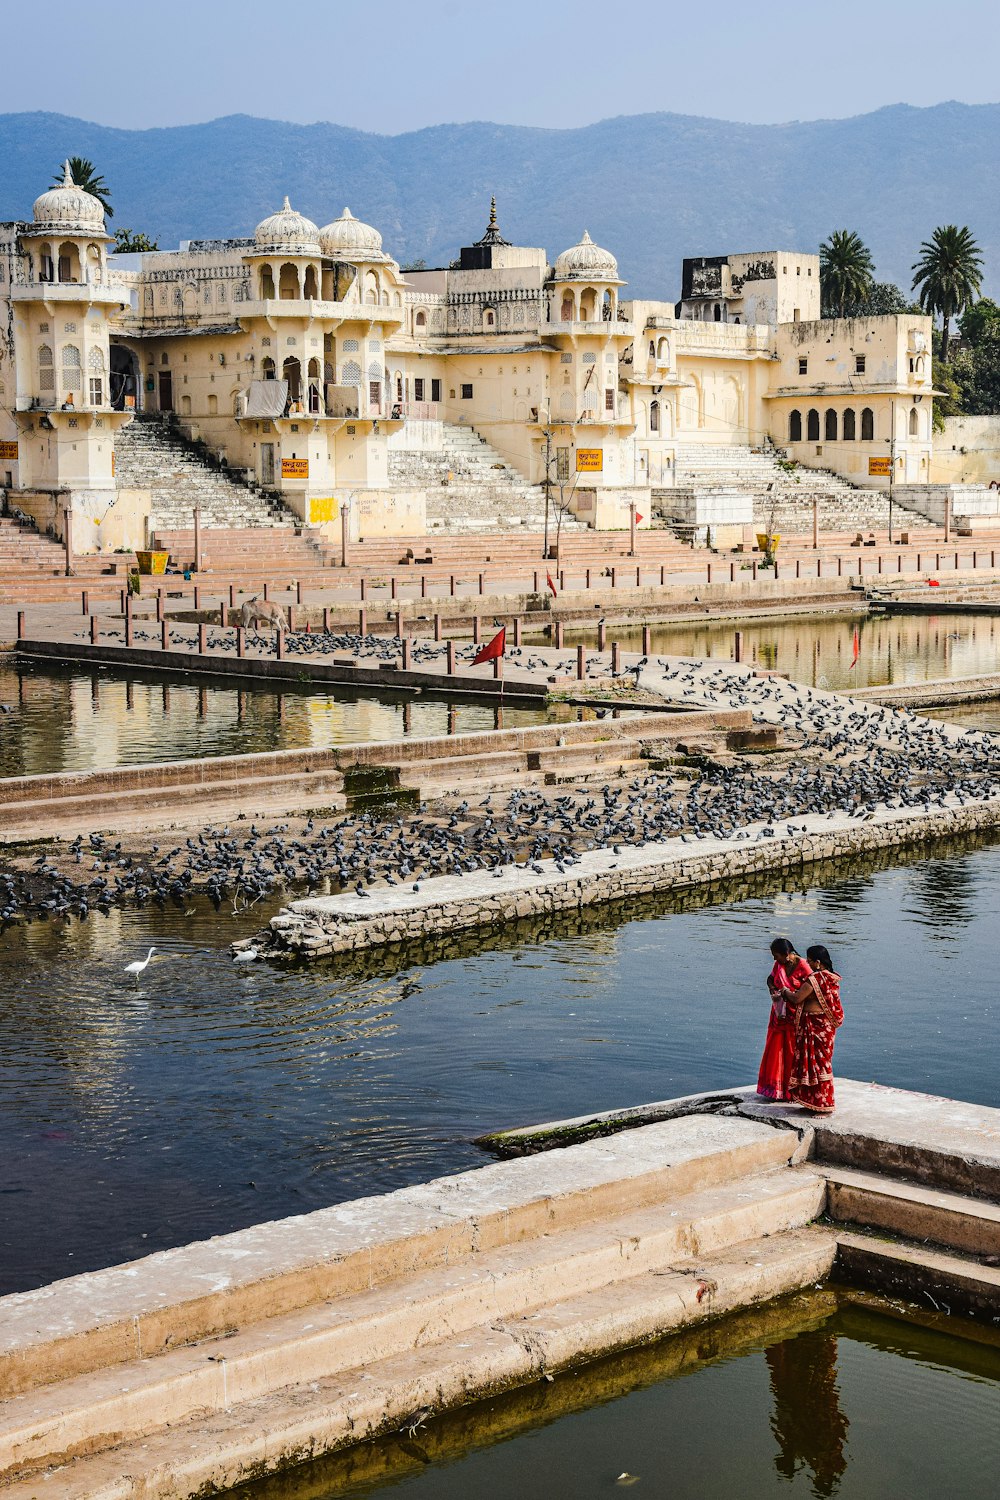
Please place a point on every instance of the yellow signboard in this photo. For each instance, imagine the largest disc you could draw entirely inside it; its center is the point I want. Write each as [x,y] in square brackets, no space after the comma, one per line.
[589,460]
[323,508]
[8,450]
[295,468]
[880,466]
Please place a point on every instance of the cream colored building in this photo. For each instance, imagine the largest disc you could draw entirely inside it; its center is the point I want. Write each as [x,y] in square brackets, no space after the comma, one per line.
[302,356]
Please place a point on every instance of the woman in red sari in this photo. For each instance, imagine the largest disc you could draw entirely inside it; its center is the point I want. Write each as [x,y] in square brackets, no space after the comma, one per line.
[789,972]
[818,1013]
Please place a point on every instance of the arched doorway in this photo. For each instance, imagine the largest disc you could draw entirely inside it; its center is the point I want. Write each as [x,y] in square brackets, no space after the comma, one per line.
[126,386]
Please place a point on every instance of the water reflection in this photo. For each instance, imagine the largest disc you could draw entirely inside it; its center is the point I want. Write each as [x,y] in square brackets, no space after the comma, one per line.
[802,1398]
[79,721]
[817,649]
[809,1426]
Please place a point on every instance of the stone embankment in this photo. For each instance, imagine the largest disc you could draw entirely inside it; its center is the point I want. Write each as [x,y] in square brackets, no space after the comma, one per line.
[324,925]
[204,1367]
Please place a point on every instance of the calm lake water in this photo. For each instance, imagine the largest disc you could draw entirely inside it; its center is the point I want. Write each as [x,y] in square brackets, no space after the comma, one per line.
[208,1097]
[82,721]
[817,649]
[855,1405]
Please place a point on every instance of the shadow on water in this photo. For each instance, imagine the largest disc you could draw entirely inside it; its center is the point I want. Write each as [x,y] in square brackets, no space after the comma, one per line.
[811,1392]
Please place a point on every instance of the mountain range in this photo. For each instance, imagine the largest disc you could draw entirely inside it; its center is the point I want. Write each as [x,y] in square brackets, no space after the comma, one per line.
[652,188]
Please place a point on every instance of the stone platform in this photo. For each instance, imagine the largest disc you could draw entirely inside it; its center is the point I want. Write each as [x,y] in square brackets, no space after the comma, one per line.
[197,1369]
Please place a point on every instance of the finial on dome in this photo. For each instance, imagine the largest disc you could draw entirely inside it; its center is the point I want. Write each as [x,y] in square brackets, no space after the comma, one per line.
[586,238]
[67,175]
[286,205]
[493,235]
[347,214]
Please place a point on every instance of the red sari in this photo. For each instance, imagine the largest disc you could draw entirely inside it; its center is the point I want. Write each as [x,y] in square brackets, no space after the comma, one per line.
[779,1044]
[811,1077]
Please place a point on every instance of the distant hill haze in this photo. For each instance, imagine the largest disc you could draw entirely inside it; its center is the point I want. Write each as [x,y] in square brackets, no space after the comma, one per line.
[651,188]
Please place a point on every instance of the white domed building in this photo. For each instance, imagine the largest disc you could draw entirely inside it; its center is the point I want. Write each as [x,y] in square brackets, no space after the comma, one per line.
[317,370]
[585,284]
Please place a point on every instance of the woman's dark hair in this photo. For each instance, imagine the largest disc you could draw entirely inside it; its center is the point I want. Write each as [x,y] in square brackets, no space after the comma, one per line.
[817,954]
[782,947]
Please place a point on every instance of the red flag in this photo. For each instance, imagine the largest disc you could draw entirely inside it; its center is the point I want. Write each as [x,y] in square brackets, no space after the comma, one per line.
[933,583]
[638,518]
[857,648]
[492,649]
[308,628]
[548,580]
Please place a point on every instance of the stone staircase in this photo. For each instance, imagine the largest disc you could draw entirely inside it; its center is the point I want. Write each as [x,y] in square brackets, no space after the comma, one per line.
[194,1369]
[150,454]
[470,487]
[27,553]
[786,494]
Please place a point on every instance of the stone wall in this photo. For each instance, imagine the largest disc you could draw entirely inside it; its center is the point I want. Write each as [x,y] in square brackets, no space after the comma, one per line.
[341,924]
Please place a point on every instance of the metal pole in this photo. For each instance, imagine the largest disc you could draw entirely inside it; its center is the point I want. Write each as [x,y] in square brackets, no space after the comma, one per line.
[631,529]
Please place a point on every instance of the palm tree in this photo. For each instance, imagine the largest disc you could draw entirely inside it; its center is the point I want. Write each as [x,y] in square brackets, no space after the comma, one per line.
[846,269]
[82,172]
[948,274]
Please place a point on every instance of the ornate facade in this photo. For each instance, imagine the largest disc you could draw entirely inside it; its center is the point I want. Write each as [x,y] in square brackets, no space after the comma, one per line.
[301,355]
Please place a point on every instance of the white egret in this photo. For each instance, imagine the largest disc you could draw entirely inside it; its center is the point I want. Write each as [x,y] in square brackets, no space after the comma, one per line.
[135,969]
[246,955]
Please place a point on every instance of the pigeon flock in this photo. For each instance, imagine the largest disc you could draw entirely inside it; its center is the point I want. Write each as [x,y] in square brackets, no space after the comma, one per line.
[838,756]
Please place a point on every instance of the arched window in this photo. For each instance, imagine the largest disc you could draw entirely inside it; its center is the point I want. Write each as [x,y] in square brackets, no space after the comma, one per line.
[71,371]
[291,371]
[914,422]
[795,427]
[831,425]
[812,425]
[46,373]
[371,287]
[267,368]
[663,352]
[46,269]
[654,416]
[266,284]
[213,406]
[420,320]
[867,425]
[489,318]
[351,373]
[95,359]
[288,282]
[566,312]
[849,424]
[185,406]
[69,262]
[311,291]
[717,313]
[608,307]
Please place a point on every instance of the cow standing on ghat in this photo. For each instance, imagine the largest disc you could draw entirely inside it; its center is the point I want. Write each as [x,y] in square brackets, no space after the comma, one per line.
[262,611]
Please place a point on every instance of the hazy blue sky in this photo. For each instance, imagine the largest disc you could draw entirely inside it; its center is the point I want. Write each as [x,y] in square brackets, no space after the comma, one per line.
[391,67]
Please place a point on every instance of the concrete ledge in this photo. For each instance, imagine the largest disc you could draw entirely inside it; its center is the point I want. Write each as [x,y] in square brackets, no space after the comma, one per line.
[327,925]
[148,1306]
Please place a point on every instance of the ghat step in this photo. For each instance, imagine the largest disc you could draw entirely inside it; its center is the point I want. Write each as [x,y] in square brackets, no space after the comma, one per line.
[531,1263]
[325,1340]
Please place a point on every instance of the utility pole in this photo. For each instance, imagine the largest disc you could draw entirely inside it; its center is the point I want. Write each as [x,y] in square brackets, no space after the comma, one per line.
[892,460]
[548,480]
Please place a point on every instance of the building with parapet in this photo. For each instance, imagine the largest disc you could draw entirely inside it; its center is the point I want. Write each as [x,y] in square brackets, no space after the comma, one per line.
[302,356]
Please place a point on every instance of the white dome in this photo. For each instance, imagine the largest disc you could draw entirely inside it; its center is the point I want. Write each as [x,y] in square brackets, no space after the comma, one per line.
[287,232]
[67,208]
[347,238]
[586,260]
